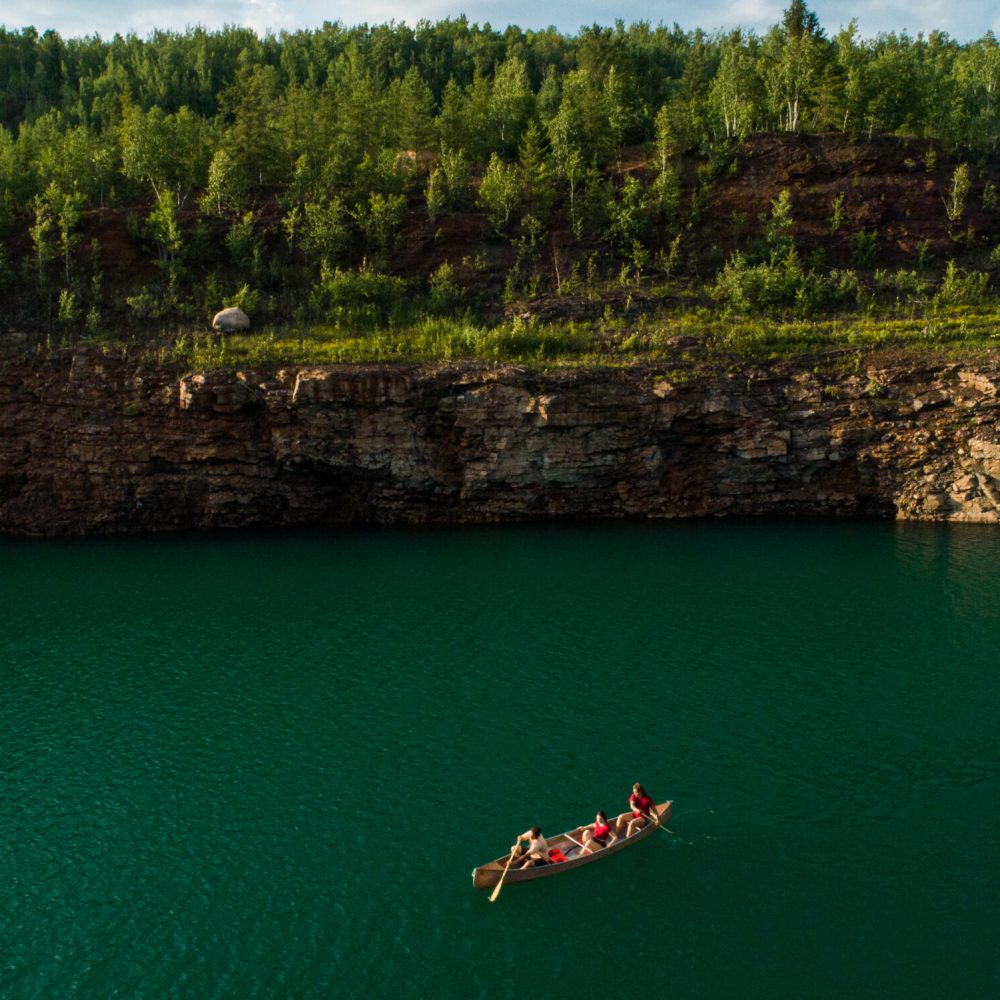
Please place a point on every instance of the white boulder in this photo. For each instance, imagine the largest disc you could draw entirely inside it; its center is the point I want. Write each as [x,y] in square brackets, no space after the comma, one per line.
[230,320]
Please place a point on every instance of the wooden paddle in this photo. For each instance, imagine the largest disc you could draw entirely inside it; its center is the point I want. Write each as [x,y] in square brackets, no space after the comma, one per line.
[659,822]
[499,885]
[582,846]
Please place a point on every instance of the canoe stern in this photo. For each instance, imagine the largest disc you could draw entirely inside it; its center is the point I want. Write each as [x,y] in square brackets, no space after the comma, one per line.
[486,876]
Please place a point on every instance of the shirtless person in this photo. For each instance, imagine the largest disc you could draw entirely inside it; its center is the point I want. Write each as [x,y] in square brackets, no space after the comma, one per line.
[537,852]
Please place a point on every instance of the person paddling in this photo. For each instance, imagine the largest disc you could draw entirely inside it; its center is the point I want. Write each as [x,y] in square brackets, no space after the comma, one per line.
[643,810]
[537,852]
[599,834]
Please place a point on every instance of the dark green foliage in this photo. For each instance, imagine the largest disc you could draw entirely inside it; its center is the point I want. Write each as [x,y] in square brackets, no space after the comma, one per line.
[785,286]
[445,292]
[962,288]
[629,218]
[259,166]
[864,248]
[365,298]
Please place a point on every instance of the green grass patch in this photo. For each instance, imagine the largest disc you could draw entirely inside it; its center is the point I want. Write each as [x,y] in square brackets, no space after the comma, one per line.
[693,336]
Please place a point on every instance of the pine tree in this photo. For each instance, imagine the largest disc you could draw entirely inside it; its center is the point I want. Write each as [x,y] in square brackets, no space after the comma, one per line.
[413,104]
[536,178]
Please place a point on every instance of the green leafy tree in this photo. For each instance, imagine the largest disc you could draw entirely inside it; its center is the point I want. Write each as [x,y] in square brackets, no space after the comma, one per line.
[169,152]
[598,195]
[897,86]
[457,176]
[499,192]
[621,109]
[68,210]
[380,220]
[243,243]
[778,227]
[664,196]
[163,228]
[581,122]
[10,174]
[145,147]
[666,141]
[793,54]
[355,99]
[445,291]
[324,231]
[435,194]
[629,219]
[300,130]
[103,165]
[733,94]
[226,190]
[977,70]
[511,103]
[44,234]
[958,193]
[572,172]
[855,91]
[549,95]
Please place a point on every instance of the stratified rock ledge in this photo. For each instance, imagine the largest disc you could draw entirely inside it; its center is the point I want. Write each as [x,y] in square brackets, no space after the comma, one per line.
[90,444]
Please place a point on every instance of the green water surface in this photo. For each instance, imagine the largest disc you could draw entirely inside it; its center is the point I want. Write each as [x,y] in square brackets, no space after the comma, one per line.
[264,766]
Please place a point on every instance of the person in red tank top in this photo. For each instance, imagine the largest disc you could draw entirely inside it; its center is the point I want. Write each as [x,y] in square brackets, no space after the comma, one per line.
[643,809]
[598,834]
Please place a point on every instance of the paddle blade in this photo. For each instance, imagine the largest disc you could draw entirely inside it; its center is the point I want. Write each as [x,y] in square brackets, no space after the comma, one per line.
[496,890]
[499,885]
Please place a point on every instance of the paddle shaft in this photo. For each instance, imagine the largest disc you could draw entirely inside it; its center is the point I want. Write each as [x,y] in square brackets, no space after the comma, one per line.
[659,822]
[503,875]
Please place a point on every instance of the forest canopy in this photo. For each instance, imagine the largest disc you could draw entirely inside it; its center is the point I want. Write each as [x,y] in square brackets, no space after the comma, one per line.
[288,171]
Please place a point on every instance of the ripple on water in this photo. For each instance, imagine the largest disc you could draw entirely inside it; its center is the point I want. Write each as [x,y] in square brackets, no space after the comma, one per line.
[265,766]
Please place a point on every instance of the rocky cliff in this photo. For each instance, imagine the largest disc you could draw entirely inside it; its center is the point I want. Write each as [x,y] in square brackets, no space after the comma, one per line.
[91,444]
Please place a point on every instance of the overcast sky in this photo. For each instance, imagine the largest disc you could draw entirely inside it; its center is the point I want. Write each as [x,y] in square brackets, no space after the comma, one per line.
[965,19]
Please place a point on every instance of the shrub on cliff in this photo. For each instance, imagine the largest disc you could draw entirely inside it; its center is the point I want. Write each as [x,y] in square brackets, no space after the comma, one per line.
[365,297]
[785,286]
[962,288]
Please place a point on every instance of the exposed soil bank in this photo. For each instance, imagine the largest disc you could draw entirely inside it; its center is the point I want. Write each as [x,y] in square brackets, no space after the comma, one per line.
[89,444]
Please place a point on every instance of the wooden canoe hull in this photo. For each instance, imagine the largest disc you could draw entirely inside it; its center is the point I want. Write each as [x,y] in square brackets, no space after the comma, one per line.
[486,876]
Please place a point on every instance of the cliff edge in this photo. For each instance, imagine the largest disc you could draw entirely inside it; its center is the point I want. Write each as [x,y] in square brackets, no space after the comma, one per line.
[92,444]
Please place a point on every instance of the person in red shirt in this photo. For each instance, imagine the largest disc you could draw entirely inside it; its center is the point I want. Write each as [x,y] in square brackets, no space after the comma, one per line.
[598,834]
[643,809]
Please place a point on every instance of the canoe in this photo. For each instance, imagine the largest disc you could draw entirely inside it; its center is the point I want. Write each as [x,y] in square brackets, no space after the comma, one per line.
[486,876]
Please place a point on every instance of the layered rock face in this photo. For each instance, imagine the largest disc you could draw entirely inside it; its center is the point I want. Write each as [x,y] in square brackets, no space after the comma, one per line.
[89,444]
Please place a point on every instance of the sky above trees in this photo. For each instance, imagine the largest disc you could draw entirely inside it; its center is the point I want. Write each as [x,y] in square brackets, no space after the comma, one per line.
[964,21]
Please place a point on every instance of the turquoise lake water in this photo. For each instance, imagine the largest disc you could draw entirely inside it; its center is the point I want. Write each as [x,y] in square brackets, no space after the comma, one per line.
[264,766]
